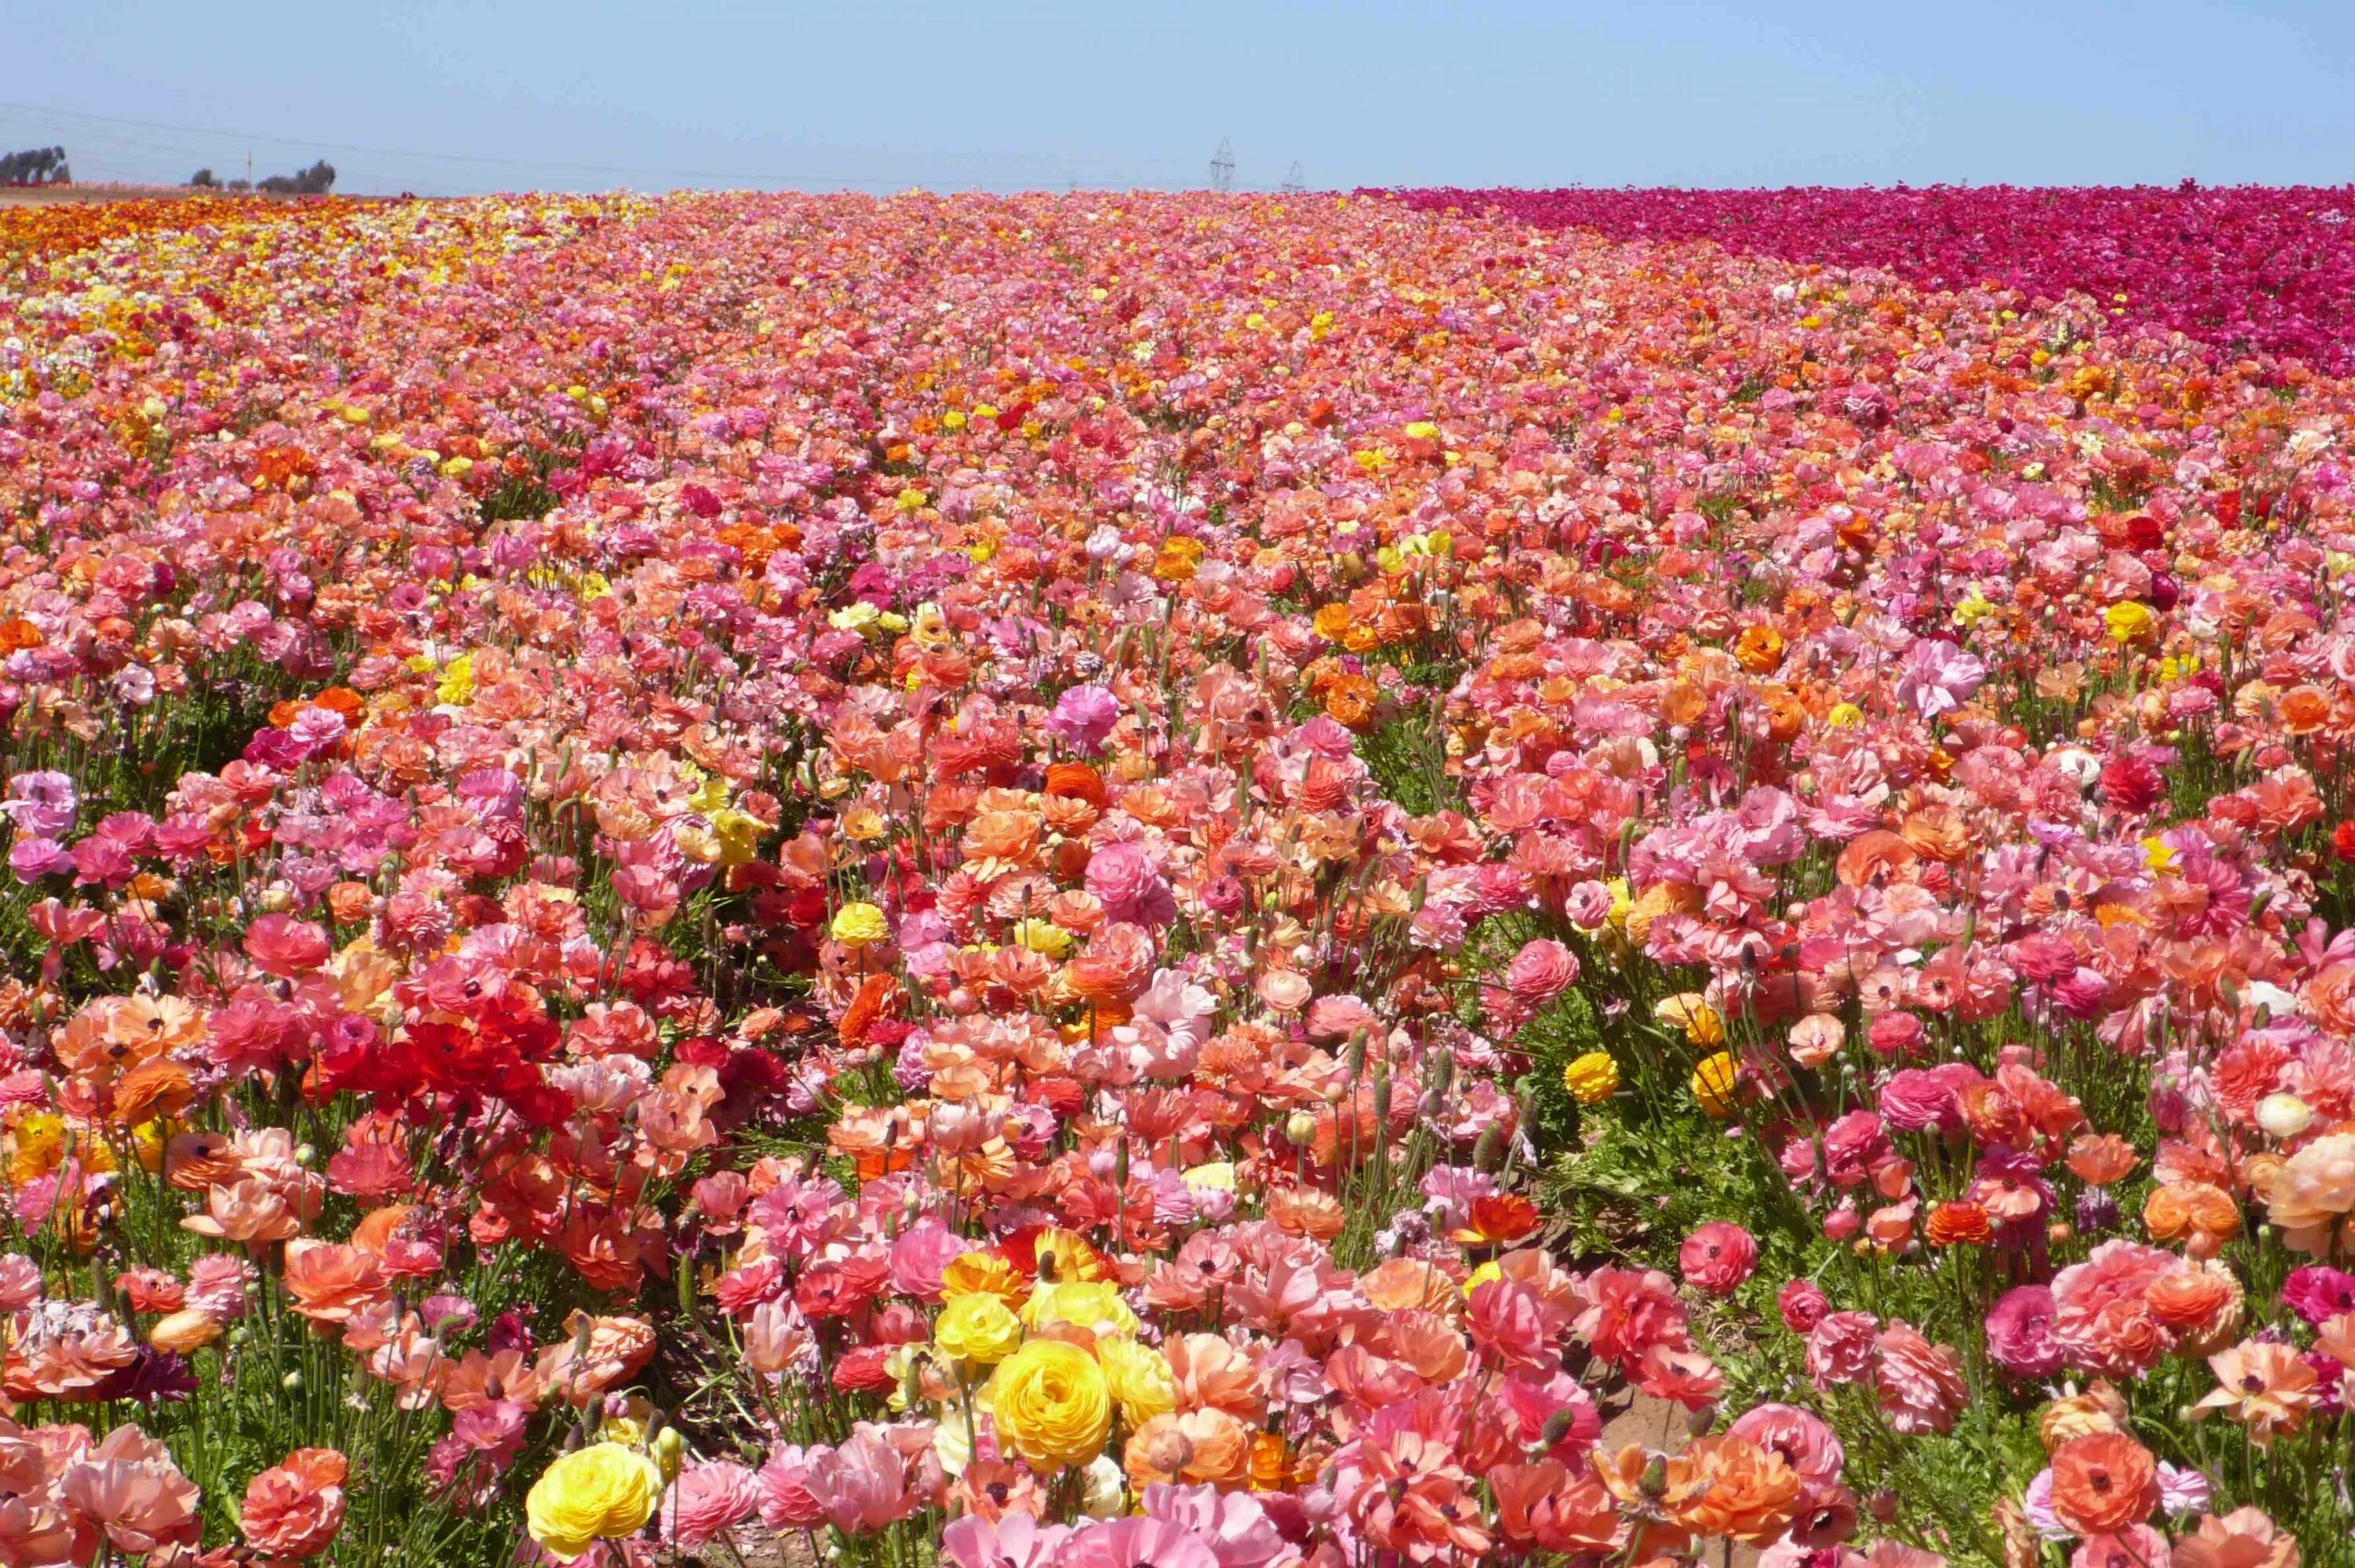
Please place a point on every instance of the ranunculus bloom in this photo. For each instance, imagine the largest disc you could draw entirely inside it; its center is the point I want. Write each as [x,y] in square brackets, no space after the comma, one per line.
[294,1508]
[2019,1333]
[1717,1257]
[710,1499]
[2103,1482]
[591,1494]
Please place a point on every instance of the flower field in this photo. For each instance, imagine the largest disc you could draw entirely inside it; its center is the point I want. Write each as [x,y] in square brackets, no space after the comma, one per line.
[1085,881]
[2247,270]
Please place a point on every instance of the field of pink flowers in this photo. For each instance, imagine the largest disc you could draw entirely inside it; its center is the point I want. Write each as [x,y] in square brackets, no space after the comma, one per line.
[1087,881]
[2248,269]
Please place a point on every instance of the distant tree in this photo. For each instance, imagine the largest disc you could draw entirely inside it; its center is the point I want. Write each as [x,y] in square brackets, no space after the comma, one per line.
[203,179]
[316,180]
[33,166]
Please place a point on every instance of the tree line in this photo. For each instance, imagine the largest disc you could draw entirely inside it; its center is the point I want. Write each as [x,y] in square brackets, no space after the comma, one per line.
[35,167]
[316,180]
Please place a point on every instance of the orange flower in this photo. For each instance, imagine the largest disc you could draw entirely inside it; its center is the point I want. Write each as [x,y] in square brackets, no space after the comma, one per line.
[296,1508]
[1211,1374]
[1957,1223]
[2204,1217]
[2103,1482]
[154,1089]
[331,1282]
[1759,650]
[1498,1217]
[1075,780]
[1410,1284]
[2199,1300]
[1190,1447]
[1730,1486]
[2099,1160]
[1306,1212]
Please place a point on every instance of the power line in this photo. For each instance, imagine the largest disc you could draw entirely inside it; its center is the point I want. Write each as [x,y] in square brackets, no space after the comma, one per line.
[459,157]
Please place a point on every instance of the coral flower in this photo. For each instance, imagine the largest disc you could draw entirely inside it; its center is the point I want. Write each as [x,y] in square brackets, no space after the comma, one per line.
[2268,1388]
[295,1508]
[2103,1482]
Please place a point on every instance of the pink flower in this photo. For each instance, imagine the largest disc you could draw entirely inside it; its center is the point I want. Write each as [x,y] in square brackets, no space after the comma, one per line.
[1512,1324]
[284,946]
[1237,1528]
[1014,1541]
[2136,1546]
[1126,1542]
[1840,1349]
[2100,1317]
[1717,1257]
[1541,972]
[1803,1305]
[1922,1387]
[862,1485]
[2019,1333]
[1803,1441]
[1125,880]
[920,1252]
[787,1500]
[1085,715]
[708,1500]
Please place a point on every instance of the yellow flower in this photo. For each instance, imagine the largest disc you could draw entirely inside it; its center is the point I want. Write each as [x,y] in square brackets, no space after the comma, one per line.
[593,586]
[1623,902]
[1042,937]
[739,836]
[910,499]
[983,1274]
[598,1493]
[1218,1176]
[1140,1380]
[2156,855]
[1593,1078]
[861,926]
[856,616]
[40,1143]
[147,1138]
[1422,431]
[977,1328]
[710,795]
[2128,620]
[1480,1277]
[1092,1304]
[1844,716]
[1703,1024]
[1052,1403]
[457,682]
[1713,1082]
[669,1451]
[1178,560]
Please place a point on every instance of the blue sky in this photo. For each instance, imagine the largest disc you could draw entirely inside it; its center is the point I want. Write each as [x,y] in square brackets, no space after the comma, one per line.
[590,94]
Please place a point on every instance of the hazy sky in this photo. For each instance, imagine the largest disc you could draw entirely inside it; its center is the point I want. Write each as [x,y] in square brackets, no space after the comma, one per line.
[595,93]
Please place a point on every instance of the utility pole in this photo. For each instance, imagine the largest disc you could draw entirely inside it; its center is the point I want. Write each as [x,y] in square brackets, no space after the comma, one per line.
[1222,166]
[1295,182]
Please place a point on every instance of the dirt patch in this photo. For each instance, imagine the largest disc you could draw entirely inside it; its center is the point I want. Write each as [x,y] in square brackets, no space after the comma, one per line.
[55,195]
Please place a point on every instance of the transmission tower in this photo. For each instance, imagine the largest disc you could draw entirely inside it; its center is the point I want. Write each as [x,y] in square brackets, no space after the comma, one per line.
[1222,166]
[1295,182]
